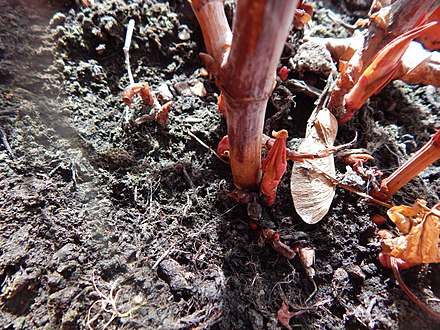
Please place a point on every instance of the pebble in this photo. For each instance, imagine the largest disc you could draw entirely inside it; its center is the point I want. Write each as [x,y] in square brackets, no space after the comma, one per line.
[184,33]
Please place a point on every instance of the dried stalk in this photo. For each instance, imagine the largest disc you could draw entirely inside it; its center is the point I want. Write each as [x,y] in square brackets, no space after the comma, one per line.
[245,73]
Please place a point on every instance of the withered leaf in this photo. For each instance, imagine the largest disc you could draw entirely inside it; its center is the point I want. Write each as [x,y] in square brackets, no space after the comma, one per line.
[284,315]
[312,192]
[421,228]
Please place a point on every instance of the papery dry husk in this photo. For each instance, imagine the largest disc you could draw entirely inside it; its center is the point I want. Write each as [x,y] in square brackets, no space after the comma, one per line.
[312,192]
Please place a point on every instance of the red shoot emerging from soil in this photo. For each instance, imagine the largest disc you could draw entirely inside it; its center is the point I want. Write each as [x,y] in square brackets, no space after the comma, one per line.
[284,315]
[303,14]
[141,89]
[356,161]
[274,166]
[272,237]
[380,72]
[223,147]
[283,73]
[162,115]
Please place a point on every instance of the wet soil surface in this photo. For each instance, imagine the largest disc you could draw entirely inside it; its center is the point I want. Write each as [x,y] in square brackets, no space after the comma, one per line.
[104,224]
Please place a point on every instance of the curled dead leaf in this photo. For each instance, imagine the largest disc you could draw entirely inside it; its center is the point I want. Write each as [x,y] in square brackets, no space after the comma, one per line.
[284,315]
[421,230]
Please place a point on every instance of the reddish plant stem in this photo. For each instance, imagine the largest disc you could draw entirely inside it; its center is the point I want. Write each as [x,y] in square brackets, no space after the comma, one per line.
[246,73]
[408,292]
[427,155]
[384,26]
[215,28]
[393,21]
[247,80]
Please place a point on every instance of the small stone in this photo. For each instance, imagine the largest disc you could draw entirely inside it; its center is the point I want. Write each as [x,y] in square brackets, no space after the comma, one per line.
[197,88]
[100,48]
[182,88]
[312,57]
[184,33]
[340,275]
[57,19]
[164,92]
[355,272]
[173,273]
[203,72]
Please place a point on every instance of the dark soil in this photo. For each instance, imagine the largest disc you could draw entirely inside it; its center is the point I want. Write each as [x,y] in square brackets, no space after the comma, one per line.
[92,210]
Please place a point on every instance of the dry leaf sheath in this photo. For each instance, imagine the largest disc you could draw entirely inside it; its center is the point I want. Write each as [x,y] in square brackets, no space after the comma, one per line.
[384,26]
[244,68]
[274,167]
[417,65]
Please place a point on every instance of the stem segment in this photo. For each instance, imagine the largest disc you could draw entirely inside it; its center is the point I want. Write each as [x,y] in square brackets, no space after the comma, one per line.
[247,80]
[245,72]
[427,155]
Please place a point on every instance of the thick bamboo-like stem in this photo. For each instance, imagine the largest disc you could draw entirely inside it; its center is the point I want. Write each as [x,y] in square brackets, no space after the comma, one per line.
[215,28]
[427,155]
[246,74]
[247,79]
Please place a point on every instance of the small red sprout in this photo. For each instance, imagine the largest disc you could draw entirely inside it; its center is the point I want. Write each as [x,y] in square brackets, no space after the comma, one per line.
[380,72]
[378,220]
[356,161]
[162,114]
[284,315]
[272,237]
[283,73]
[223,147]
[140,89]
[274,166]
[303,14]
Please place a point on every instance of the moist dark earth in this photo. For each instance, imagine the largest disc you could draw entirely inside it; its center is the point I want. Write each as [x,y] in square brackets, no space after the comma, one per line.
[110,225]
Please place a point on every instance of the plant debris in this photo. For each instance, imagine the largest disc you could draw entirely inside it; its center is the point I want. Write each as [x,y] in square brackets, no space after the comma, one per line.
[420,228]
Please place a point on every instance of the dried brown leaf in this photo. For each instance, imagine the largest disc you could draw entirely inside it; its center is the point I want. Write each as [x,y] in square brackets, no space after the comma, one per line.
[403,215]
[284,315]
[274,167]
[312,192]
[422,228]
